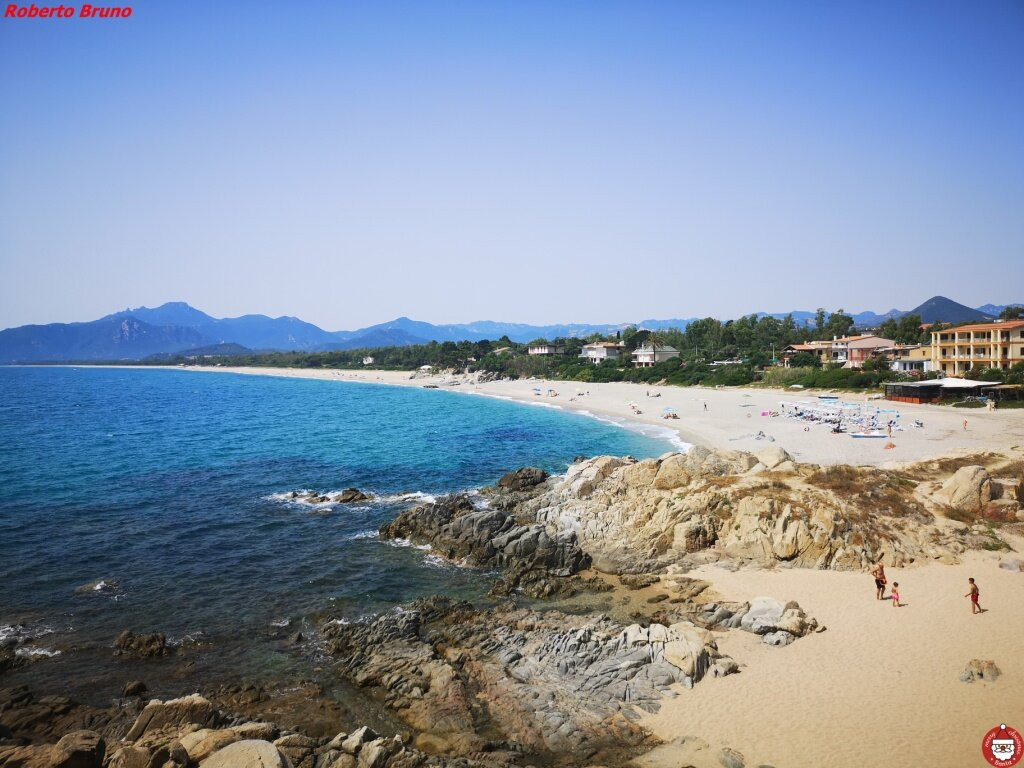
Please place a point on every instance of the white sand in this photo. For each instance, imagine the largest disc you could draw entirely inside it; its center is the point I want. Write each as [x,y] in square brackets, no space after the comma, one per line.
[733,414]
[880,687]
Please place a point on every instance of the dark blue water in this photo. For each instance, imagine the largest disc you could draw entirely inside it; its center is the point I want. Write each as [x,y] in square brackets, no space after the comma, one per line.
[170,484]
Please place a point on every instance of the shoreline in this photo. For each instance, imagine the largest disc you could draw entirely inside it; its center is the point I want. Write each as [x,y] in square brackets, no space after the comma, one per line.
[729,418]
[873,667]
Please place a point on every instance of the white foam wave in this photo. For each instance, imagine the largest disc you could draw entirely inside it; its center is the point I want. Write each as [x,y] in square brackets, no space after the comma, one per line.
[34,652]
[406,544]
[370,533]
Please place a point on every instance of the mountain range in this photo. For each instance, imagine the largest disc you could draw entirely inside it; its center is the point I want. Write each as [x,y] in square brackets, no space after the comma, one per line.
[136,334]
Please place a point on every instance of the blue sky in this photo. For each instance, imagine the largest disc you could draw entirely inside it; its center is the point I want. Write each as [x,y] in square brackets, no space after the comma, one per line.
[522,161]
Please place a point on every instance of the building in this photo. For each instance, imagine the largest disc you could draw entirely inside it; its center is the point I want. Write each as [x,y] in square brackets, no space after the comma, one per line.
[935,389]
[981,345]
[546,349]
[853,351]
[815,348]
[368,360]
[909,358]
[647,355]
[601,350]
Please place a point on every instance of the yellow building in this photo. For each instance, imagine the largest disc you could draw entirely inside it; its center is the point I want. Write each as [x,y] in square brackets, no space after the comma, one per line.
[982,345]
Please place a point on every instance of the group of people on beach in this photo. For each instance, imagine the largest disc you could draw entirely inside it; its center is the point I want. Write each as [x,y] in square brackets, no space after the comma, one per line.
[878,572]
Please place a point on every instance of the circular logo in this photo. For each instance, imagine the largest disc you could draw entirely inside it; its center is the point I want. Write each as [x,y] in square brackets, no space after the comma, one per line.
[1003,746]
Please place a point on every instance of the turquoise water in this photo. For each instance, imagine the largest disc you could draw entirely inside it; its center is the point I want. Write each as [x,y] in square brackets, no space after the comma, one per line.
[171,483]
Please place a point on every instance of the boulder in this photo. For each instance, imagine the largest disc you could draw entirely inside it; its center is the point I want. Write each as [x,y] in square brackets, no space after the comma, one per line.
[187,710]
[979,669]
[969,489]
[247,754]
[772,456]
[357,738]
[202,743]
[79,749]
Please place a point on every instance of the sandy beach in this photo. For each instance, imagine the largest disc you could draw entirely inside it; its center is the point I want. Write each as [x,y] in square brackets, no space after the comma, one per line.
[731,418]
[880,687]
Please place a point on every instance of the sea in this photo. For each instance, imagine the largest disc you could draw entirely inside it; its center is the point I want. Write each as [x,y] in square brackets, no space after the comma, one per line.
[160,501]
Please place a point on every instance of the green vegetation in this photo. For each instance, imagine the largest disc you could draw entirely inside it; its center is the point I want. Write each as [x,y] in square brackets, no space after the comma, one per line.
[751,345]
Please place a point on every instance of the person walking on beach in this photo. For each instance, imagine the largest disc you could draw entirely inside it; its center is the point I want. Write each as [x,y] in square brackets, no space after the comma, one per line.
[895,594]
[965,425]
[879,573]
[973,594]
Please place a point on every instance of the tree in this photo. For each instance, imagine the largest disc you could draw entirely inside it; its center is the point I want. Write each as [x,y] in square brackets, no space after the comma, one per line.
[805,360]
[819,320]
[1012,312]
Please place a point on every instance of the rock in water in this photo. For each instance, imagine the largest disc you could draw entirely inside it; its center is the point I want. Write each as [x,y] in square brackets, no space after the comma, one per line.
[522,479]
[350,495]
[141,646]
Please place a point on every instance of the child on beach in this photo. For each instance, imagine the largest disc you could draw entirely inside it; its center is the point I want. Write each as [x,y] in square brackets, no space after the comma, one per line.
[973,594]
[895,593]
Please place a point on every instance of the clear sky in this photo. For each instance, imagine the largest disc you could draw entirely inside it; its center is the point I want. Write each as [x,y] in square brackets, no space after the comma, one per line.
[548,161]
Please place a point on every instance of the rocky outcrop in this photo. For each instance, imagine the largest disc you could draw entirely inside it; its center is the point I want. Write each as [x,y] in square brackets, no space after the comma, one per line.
[532,556]
[547,682]
[638,517]
[187,733]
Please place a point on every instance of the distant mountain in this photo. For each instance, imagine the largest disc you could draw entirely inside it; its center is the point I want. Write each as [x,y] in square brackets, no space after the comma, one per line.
[939,309]
[995,309]
[176,327]
[109,338]
[252,331]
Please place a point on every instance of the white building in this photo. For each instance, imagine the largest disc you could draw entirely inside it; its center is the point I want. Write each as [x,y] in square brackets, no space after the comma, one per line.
[545,349]
[601,350]
[908,358]
[648,355]
[368,360]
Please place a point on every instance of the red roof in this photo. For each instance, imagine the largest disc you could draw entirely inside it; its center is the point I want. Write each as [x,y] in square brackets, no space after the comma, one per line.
[1006,325]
